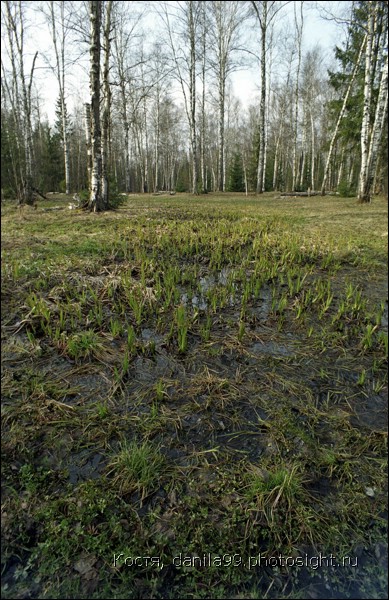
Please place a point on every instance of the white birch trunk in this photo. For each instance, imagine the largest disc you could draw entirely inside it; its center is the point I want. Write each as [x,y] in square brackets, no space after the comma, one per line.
[95,198]
[365,129]
[261,156]
[157,133]
[340,172]
[378,127]
[221,135]
[341,114]
[146,184]
[296,109]
[192,92]
[313,150]
[202,154]
[106,108]
[275,167]
[88,134]
[351,175]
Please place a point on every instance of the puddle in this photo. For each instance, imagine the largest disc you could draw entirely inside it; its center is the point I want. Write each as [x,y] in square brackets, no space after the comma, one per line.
[372,413]
[272,348]
[204,285]
[197,301]
[150,371]
[209,281]
[85,465]
[262,312]
[149,335]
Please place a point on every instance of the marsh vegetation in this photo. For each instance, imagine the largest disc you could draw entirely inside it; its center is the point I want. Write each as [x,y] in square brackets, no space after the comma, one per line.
[203,377]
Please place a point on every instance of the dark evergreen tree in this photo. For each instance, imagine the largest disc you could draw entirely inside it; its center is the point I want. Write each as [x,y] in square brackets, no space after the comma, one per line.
[236,174]
[49,159]
[58,122]
[10,157]
[183,177]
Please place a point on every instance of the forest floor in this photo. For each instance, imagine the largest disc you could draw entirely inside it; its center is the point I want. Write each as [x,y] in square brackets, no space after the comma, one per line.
[194,399]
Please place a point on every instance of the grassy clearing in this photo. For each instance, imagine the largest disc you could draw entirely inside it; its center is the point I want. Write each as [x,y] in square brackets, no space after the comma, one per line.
[201,381]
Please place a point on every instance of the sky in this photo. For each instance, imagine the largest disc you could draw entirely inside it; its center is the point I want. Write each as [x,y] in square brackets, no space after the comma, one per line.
[317,31]
[245,82]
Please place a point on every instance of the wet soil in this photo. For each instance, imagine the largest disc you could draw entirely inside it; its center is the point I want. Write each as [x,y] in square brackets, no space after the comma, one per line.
[269,397]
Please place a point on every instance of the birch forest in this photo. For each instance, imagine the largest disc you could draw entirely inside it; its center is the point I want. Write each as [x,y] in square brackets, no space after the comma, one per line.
[161,112]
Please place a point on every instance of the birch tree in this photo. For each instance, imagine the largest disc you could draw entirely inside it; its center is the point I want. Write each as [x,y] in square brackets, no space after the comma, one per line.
[20,93]
[204,36]
[371,131]
[265,11]
[107,106]
[312,97]
[281,97]
[367,93]
[226,17]
[185,61]
[340,117]
[57,22]
[95,197]
[88,133]
[367,38]
[376,135]
[125,60]
[299,37]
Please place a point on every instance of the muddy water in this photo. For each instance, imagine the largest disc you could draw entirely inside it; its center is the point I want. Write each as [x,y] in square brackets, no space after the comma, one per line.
[205,284]
[85,465]
[272,348]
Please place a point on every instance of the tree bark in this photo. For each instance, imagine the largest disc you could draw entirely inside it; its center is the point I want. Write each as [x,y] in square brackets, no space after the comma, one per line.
[261,156]
[378,127]
[203,70]
[107,108]
[296,108]
[363,194]
[96,197]
[221,135]
[88,134]
[192,92]
[312,152]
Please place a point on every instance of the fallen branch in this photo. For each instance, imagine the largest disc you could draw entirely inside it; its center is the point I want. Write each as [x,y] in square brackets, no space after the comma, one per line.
[300,194]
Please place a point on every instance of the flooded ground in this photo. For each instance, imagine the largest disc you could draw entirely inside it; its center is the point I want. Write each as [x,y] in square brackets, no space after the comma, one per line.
[193,386]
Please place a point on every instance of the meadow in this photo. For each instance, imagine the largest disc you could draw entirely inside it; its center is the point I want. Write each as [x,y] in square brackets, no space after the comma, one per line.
[194,398]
